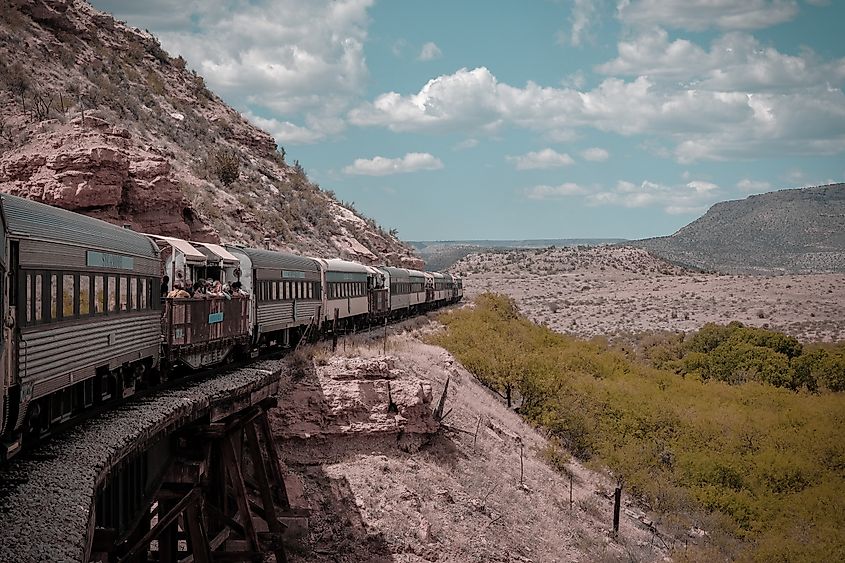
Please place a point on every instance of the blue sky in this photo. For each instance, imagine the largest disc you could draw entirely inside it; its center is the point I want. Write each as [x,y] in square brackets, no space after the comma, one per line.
[520,119]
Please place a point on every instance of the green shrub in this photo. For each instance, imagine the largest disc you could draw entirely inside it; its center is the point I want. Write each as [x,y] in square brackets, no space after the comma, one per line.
[730,444]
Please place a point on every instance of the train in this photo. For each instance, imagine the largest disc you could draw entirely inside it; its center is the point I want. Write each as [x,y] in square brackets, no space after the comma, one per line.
[85,323]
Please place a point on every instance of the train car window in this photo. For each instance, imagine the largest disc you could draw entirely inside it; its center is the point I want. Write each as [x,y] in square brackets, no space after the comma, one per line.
[38,297]
[99,295]
[28,298]
[84,295]
[274,291]
[133,290]
[144,299]
[310,288]
[124,294]
[54,297]
[111,289]
[68,296]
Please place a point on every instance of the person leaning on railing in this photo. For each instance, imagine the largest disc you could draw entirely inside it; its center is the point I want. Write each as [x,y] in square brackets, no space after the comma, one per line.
[178,292]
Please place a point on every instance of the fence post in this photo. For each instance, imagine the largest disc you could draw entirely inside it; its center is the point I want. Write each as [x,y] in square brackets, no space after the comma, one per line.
[617,498]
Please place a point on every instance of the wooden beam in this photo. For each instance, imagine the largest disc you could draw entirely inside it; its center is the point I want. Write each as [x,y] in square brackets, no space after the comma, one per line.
[163,522]
[233,468]
[197,538]
[275,463]
[260,467]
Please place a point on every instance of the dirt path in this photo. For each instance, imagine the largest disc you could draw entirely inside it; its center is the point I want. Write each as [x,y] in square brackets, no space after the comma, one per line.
[385,486]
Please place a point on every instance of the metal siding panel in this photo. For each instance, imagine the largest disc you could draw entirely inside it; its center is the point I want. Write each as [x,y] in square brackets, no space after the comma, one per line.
[266,274]
[43,254]
[307,309]
[58,351]
[345,276]
[275,312]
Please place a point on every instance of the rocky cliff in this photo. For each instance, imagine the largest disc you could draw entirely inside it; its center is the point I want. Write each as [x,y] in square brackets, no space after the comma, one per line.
[797,231]
[97,118]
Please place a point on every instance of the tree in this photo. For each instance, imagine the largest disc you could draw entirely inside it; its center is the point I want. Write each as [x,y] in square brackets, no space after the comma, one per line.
[226,165]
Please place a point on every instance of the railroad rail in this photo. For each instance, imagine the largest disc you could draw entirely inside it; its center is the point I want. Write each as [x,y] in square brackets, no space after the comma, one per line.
[187,474]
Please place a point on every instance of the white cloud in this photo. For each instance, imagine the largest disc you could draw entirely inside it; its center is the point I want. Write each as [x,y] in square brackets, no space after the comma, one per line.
[698,15]
[398,47]
[595,154]
[581,19]
[429,52]
[381,166]
[747,185]
[703,124]
[308,63]
[285,131]
[546,158]
[735,61]
[553,192]
[693,197]
[466,144]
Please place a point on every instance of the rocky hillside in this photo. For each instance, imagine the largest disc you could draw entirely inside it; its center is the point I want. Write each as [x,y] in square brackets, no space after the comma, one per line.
[95,117]
[796,231]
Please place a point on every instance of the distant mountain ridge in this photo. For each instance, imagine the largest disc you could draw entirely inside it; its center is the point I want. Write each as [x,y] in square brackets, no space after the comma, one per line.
[797,231]
[442,254]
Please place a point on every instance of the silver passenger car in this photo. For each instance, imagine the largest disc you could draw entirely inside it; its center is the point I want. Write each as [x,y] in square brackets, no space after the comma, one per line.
[83,311]
[286,291]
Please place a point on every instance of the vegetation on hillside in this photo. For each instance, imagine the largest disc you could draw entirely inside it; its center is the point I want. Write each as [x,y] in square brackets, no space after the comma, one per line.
[759,468]
[736,354]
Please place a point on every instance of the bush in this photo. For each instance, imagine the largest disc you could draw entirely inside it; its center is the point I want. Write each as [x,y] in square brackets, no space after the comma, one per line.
[226,165]
[762,465]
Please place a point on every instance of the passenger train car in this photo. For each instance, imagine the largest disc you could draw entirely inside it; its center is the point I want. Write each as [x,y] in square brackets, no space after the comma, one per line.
[84,321]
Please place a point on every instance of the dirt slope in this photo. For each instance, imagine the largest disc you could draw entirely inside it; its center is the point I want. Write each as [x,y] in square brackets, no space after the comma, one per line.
[446,495]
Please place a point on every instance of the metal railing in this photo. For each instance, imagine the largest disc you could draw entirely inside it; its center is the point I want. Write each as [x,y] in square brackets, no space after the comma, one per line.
[199,321]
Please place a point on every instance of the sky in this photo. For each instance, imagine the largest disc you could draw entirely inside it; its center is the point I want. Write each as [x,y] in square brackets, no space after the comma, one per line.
[528,119]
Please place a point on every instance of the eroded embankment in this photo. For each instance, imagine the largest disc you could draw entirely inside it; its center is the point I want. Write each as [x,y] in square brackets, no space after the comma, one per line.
[383,483]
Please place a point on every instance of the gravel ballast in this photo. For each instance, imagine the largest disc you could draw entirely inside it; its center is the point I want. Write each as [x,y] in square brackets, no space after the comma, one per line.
[47,496]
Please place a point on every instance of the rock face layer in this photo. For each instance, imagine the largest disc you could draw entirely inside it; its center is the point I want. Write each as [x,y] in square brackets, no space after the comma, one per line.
[97,118]
[356,397]
[788,231]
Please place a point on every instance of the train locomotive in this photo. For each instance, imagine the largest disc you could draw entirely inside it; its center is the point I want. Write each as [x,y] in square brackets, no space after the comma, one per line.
[85,323]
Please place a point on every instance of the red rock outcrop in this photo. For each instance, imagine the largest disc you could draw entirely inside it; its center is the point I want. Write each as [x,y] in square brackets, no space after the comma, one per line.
[92,167]
[356,397]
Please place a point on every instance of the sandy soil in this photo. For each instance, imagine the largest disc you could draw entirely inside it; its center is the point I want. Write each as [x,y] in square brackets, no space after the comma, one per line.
[612,290]
[450,495]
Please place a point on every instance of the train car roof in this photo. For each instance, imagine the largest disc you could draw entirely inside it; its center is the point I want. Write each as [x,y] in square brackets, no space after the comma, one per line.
[394,271]
[339,265]
[30,219]
[274,260]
